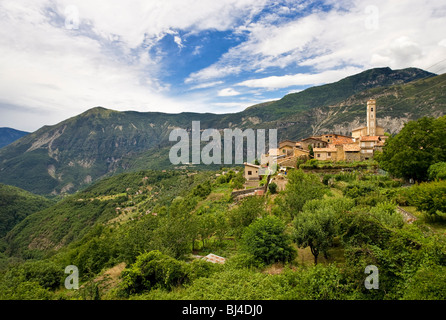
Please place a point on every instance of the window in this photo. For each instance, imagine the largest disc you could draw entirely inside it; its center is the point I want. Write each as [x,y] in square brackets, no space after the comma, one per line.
[249,173]
[371,109]
[318,155]
[328,154]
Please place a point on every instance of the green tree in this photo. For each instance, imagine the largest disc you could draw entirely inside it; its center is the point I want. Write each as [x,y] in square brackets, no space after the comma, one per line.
[310,148]
[238,180]
[267,241]
[315,230]
[272,187]
[300,188]
[418,145]
[249,209]
[153,270]
[429,197]
[387,214]
[177,229]
[437,171]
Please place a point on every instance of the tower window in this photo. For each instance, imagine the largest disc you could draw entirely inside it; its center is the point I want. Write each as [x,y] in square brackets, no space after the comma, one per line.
[372,109]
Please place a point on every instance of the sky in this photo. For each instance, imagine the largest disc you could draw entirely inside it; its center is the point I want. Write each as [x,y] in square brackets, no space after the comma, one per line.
[59,58]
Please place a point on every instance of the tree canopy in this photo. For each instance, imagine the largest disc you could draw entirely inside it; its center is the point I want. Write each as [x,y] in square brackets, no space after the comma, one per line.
[415,148]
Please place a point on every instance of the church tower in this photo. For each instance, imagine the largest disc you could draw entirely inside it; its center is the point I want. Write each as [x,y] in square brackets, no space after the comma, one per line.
[371,117]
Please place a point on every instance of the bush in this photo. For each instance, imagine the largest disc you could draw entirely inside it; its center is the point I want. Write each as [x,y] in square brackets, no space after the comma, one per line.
[358,189]
[266,240]
[387,214]
[427,284]
[272,187]
[300,188]
[317,283]
[202,190]
[437,171]
[249,209]
[154,270]
[429,197]
[237,284]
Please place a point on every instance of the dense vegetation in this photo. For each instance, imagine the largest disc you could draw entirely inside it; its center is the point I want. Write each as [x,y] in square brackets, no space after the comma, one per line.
[419,145]
[16,204]
[314,247]
[143,235]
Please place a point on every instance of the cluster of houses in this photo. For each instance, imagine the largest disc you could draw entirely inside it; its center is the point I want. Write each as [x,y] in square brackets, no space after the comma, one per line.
[361,145]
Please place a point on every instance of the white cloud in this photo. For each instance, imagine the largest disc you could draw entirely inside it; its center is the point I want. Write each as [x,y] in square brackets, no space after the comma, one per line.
[178,41]
[113,60]
[405,34]
[228,92]
[206,85]
[213,72]
[300,79]
[60,72]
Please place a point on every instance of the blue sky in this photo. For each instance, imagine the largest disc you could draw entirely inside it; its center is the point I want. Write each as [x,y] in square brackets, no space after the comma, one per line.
[59,58]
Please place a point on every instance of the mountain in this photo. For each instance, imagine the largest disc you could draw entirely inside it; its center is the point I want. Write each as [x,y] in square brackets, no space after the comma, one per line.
[8,135]
[99,142]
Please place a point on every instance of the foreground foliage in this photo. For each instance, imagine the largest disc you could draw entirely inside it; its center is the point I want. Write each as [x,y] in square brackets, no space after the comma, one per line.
[311,241]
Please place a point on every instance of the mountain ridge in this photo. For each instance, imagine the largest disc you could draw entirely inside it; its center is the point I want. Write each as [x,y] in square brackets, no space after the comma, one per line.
[99,142]
[9,135]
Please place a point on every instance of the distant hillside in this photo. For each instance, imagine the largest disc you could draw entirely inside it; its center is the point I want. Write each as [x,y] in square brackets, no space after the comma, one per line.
[71,218]
[8,135]
[100,142]
[334,93]
[16,204]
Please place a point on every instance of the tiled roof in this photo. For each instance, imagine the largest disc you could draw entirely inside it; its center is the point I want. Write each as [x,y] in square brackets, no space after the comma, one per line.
[342,140]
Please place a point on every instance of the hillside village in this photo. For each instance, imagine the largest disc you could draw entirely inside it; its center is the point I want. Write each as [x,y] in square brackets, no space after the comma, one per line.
[360,146]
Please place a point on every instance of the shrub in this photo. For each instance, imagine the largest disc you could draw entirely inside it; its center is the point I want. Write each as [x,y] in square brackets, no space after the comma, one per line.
[437,171]
[154,270]
[249,209]
[202,190]
[300,188]
[427,284]
[429,197]
[316,283]
[266,240]
[272,187]
[387,214]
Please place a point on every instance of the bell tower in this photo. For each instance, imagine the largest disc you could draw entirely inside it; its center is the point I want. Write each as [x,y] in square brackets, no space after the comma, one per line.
[371,117]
